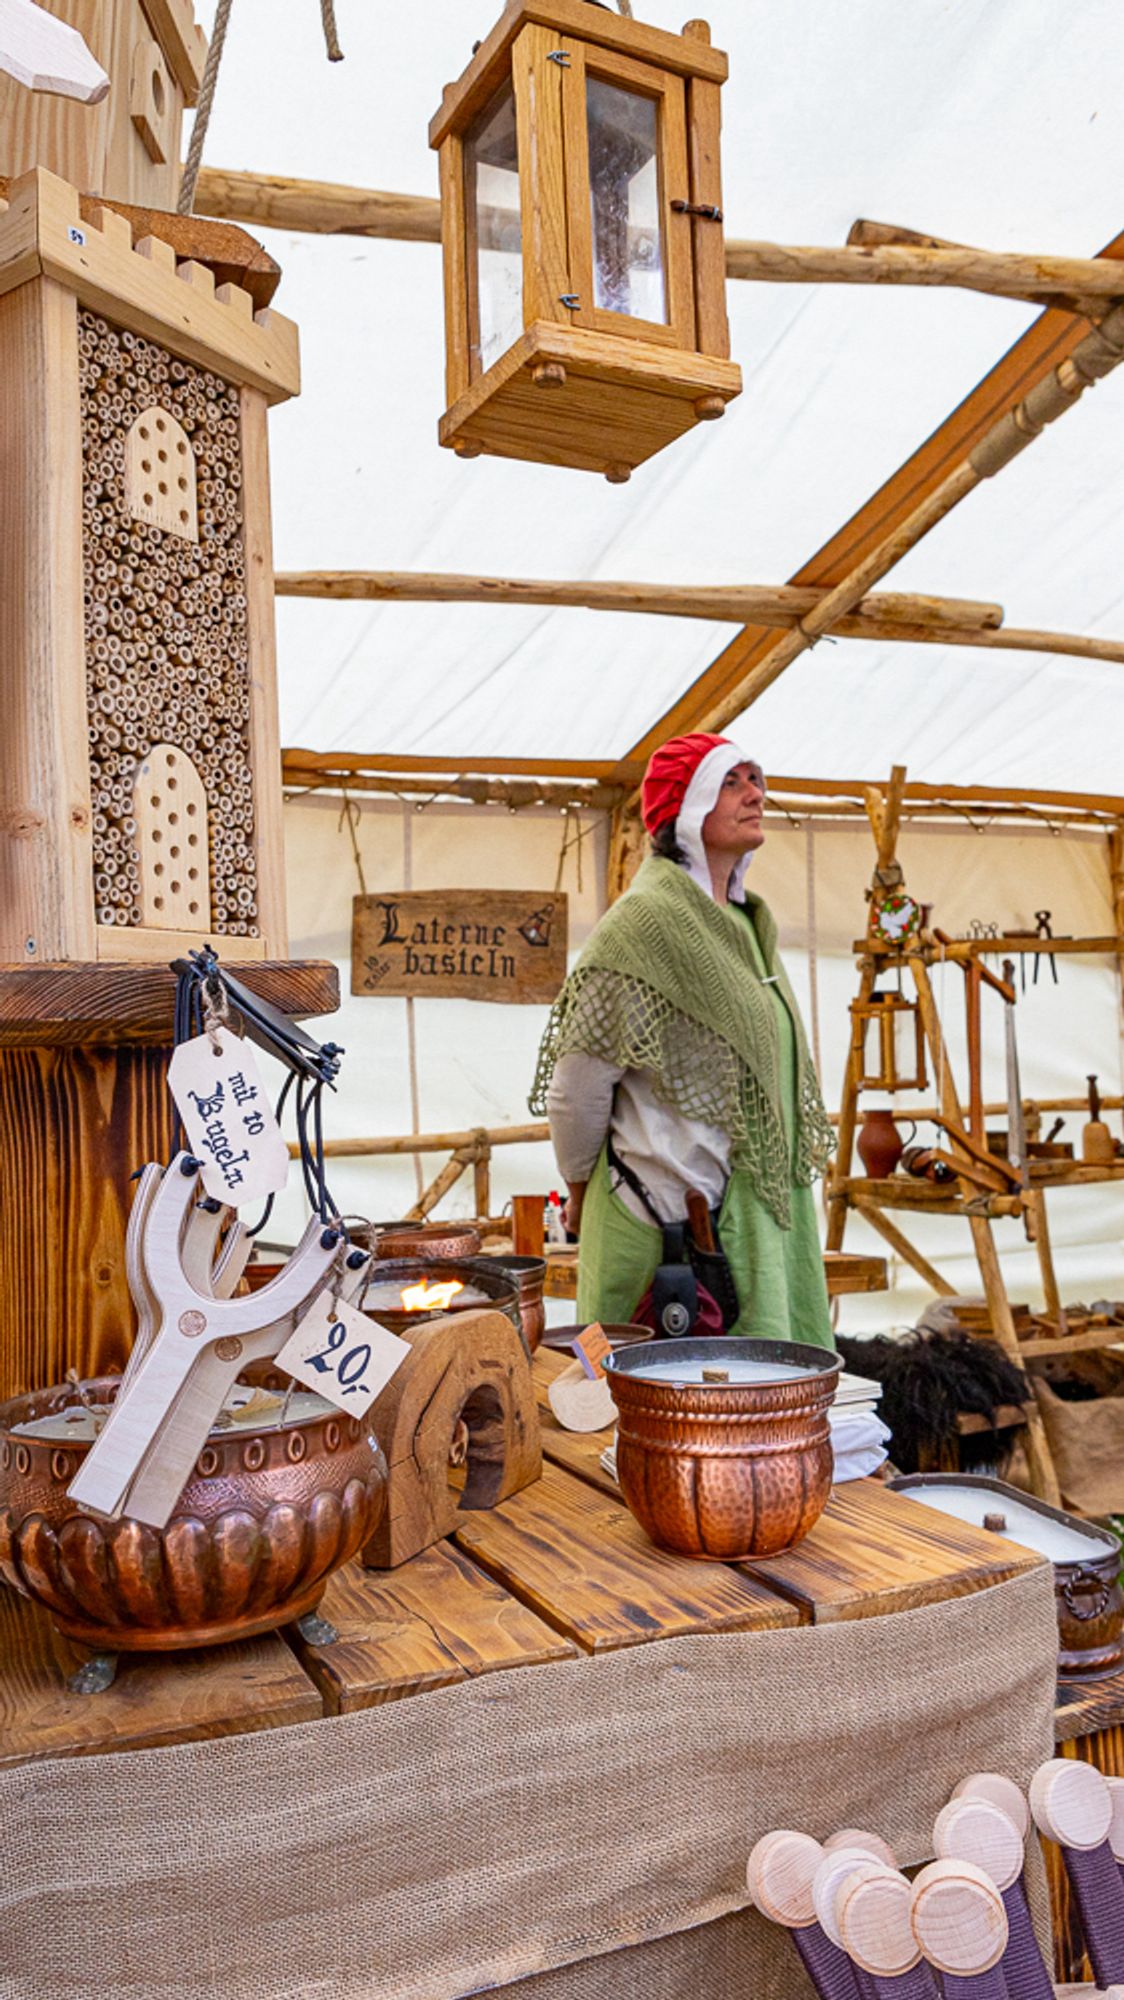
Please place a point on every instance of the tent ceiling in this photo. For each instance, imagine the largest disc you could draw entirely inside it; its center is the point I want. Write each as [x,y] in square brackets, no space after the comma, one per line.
[975,120]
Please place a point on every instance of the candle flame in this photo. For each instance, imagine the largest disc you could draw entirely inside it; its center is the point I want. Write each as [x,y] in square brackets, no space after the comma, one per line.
[430,1298]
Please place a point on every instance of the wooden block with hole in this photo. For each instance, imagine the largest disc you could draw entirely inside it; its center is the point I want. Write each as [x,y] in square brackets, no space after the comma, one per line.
[470,1368]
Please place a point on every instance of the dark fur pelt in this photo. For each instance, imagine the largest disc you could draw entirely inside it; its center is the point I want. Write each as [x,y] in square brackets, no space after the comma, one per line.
[927,1380]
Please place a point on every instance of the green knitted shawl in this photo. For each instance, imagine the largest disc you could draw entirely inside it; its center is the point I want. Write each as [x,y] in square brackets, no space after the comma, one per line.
[670,983]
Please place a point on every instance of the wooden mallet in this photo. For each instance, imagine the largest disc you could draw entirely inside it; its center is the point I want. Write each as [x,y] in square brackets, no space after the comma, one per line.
[840,1868]
[1072,1806]
[779,1876]
[976,1830]
[960,1923]
[873,1914]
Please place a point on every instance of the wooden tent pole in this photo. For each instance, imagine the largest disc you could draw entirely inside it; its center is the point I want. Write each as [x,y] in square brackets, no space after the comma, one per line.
[782,605]
[1097,355]
[279,201]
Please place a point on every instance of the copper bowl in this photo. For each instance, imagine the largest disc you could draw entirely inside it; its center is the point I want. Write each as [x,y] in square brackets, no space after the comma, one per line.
[528,1275]
[1088,1597]
[723,1470]
[473,1273]
[264,1519]
[421,1239]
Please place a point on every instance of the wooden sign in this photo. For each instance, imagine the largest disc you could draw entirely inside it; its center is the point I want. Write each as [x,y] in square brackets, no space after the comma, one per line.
[460,944]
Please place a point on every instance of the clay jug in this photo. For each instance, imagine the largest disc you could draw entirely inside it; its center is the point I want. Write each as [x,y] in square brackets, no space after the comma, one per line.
[879,1144]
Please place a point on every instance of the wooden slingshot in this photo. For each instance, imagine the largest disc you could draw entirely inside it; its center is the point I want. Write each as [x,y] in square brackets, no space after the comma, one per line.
[471,1368]
[192,1339]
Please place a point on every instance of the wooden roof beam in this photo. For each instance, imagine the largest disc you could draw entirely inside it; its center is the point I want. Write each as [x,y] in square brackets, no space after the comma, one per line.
[782,606]
[755,657]
[278,201]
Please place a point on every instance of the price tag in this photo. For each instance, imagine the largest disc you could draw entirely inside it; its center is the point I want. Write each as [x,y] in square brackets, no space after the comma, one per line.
[228,1118]
[591,1347]
[343,1355]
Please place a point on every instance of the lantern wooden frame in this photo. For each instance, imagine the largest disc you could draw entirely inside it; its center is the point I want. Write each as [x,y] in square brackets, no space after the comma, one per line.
[581,384]
[884,1010]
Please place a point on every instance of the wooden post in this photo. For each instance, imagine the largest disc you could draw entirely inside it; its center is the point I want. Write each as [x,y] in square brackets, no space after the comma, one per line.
[482,1175]
[527,1225]
[626,849]
[447,1178]
[1043,1476]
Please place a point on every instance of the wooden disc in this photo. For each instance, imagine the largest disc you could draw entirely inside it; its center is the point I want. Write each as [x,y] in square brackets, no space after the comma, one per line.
[1001,1791]
[1071,1803]
[1116,1829]
[868,1843]
[874,1926]
[958,1917]
[845,1865]
[969,1829]
[579,1403]
[779,1876]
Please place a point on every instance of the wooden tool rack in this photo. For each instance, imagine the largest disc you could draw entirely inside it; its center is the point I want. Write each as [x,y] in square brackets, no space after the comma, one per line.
[983,1188]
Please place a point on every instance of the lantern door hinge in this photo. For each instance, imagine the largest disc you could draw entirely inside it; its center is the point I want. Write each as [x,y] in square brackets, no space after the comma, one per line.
[705,209]
[569,299]
[560,57]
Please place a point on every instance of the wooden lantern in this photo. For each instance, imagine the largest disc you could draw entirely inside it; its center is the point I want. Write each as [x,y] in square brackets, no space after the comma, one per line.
[140,795]
[585,276]
[889,1043]
[127,146]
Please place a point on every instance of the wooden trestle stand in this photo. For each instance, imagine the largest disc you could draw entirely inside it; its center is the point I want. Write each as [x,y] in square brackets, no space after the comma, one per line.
[140,788]
[983,1187]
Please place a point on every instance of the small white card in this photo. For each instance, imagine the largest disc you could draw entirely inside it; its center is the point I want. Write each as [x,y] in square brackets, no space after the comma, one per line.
[346,1357]
[228,1118]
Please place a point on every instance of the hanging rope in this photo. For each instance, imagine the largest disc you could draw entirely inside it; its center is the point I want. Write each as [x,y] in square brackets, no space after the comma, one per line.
[352,815]
[331,39]
[194,159]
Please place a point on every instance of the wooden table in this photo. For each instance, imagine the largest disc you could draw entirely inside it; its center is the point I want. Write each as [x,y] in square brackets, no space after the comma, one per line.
[560,1570]
[845,1271]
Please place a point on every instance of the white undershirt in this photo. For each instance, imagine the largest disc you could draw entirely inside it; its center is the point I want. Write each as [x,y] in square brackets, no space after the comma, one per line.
[588,1098]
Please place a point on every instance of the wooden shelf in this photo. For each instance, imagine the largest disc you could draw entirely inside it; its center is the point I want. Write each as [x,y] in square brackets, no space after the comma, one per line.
[106,1006]
[846,1271]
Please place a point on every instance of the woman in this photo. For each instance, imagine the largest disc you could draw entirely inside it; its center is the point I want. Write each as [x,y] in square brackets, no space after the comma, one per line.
[675,1060]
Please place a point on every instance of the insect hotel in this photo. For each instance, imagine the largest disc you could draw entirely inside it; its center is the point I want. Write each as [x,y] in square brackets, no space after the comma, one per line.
[509,1481]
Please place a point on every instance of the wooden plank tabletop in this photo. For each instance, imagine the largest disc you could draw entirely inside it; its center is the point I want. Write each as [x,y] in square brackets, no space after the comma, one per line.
[1084,1707]
[579,1559]
[156,1698]
[873,1552]
[436,1620]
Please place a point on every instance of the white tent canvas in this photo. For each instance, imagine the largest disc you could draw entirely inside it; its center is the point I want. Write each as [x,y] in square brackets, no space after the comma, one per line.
[984,123]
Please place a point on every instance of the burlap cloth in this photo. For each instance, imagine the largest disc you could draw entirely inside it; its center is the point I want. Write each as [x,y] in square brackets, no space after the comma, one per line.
[518,1824]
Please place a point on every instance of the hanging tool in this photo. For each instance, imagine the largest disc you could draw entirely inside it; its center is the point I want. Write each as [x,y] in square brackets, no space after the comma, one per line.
[1016,1119]
[1042,929]
[1097,1144]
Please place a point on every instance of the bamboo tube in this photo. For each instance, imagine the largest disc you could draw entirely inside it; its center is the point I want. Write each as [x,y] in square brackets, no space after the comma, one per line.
[784,605]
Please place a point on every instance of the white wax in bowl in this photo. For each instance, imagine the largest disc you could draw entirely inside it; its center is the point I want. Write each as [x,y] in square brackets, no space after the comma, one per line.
[75,1424]
[736,1372]
[1024,1525]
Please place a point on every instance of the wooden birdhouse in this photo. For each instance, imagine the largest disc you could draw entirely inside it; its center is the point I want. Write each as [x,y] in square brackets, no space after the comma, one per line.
[581,216]
[889,1042]
[140,788]
[128,144]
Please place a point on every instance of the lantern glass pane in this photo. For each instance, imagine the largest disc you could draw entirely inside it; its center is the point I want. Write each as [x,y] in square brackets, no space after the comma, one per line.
[492,191]
[906,1061]
[624,191]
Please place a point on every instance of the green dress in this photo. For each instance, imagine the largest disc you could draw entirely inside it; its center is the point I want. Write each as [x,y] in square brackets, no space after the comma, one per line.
[778,1273]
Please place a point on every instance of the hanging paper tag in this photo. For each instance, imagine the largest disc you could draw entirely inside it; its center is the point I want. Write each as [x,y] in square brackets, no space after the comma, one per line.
[345,1356]
[228,1118]
[591,1347]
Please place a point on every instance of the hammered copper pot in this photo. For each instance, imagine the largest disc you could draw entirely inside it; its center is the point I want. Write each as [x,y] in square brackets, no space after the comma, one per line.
[724,1470]
[528,1275]
[423,1239]
[475,1273]
[266,1516]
